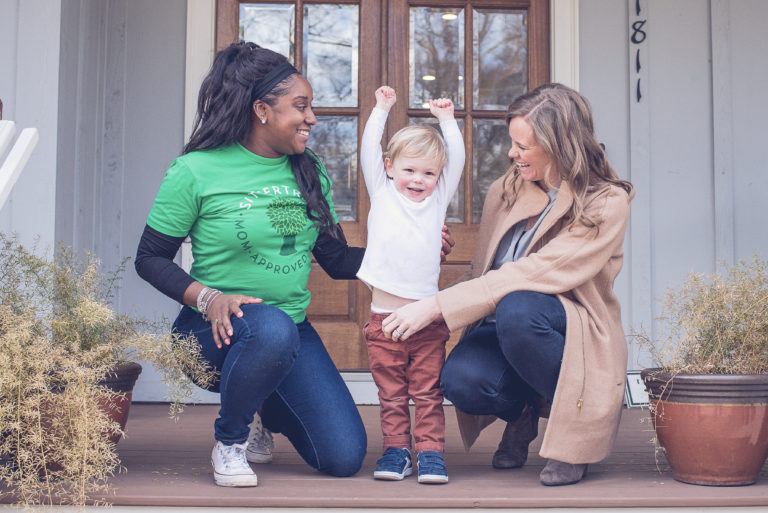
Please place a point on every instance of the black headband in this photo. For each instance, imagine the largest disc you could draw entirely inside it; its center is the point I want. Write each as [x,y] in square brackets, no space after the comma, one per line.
[275,76]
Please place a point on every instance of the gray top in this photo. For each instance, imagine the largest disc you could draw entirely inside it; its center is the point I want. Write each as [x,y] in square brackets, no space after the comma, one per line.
[515,242]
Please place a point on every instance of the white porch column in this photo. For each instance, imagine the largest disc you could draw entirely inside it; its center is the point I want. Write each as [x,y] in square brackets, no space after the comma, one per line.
[30,94]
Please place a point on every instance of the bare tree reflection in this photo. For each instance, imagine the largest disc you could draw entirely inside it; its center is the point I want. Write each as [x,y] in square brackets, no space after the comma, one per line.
[334,140]
[330,53]
[270,26]
[330,49]
[489,161]
[500,57]
[438,50]
[499,60]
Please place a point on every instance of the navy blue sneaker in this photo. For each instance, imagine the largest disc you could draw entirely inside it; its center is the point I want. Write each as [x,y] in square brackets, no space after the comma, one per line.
[432,468]
[394,464]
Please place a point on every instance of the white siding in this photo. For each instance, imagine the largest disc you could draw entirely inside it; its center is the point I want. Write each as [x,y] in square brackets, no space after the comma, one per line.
[749,76]
[122,122]
[687,85]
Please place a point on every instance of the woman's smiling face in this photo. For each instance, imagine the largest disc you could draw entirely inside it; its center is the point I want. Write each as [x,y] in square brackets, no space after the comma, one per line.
[528,155]
[289,120]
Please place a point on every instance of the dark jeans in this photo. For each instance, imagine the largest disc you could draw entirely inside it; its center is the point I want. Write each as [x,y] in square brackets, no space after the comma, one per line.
[498,368]
[283,368]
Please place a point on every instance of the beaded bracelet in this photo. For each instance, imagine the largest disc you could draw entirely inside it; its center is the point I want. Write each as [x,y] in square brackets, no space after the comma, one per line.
[200,296]
[204,299]
[207,299]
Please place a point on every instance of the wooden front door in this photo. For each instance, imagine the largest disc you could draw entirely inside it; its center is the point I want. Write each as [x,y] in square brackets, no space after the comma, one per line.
[480,53]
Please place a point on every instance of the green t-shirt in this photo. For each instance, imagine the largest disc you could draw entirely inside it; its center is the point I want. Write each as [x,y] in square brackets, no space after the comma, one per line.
[247,221]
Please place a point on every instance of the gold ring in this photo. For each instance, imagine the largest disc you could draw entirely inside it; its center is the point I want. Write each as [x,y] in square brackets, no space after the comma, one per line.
[216,321]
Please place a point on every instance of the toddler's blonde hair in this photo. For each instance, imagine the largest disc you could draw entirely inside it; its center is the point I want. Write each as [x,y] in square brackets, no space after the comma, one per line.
[420,141]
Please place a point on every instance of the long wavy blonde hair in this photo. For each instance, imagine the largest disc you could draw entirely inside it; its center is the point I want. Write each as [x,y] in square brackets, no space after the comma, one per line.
[562,124]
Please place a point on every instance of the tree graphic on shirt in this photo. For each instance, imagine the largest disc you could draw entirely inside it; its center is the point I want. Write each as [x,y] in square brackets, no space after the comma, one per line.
[287,217]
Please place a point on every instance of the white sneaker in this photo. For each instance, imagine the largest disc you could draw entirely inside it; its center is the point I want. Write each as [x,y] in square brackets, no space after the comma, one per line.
[230,468]
[260,443]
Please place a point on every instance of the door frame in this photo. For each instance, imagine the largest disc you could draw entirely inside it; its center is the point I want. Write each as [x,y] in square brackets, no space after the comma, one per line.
[201,48]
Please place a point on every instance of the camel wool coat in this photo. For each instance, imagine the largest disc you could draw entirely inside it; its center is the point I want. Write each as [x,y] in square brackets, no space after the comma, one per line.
[578,264]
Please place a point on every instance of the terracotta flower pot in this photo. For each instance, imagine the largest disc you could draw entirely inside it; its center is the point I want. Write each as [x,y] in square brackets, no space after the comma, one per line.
[121,381]
[713,428]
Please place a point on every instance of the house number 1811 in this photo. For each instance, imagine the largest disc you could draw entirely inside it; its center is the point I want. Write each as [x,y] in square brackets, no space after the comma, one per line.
[637,38]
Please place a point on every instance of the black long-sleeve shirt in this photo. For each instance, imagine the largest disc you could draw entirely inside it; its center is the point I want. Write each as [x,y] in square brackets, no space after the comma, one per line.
[156,251]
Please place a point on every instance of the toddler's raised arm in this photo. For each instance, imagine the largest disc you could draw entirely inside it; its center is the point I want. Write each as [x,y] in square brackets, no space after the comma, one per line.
[385,97]
[441,108]
[371,155]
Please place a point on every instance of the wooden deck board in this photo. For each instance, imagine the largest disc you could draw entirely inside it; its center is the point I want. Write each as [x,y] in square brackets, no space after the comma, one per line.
[167,463]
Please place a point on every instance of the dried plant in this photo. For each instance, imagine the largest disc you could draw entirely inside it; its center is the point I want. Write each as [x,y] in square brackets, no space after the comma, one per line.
[716,323]
[59,337]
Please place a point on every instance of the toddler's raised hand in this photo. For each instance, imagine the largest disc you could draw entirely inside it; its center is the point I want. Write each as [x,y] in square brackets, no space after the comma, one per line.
[385,97]
[441,108]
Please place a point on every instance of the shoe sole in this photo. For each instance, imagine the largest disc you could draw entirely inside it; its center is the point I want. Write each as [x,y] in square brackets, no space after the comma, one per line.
[235,481]
[564,483]
[239,481]
[258,458]
[504,463]
[433,479]
[392,476]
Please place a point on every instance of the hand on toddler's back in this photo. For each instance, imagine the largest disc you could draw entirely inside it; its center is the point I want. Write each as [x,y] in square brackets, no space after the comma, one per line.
[441,108]
[385,97]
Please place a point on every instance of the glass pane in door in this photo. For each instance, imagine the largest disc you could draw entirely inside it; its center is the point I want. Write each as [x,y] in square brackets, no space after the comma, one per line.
[436,57]
[270,26]
[499,57]
[334,140]
[330,53]
[490,159]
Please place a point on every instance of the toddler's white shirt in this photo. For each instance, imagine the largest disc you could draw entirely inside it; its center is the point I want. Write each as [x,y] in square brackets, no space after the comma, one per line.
[402,256]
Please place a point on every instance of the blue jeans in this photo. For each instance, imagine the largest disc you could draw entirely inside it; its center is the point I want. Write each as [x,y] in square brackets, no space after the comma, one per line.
[283,368]
[499,368]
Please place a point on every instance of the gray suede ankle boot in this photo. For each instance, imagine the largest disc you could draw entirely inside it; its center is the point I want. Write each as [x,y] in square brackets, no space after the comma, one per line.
[518,435]
[557,473]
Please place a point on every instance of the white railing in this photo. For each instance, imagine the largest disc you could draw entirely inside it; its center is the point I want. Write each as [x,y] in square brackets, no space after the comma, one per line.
[17,158]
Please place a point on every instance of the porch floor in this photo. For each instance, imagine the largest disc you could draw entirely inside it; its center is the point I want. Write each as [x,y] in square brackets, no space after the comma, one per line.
[168,464]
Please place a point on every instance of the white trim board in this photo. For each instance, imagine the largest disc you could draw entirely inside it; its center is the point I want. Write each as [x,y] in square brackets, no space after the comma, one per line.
[201,45]
[362,387]
[564,42]
[152,389]
[200,50]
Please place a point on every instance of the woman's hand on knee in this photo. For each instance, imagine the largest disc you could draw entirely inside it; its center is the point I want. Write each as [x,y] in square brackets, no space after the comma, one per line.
[221,308]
